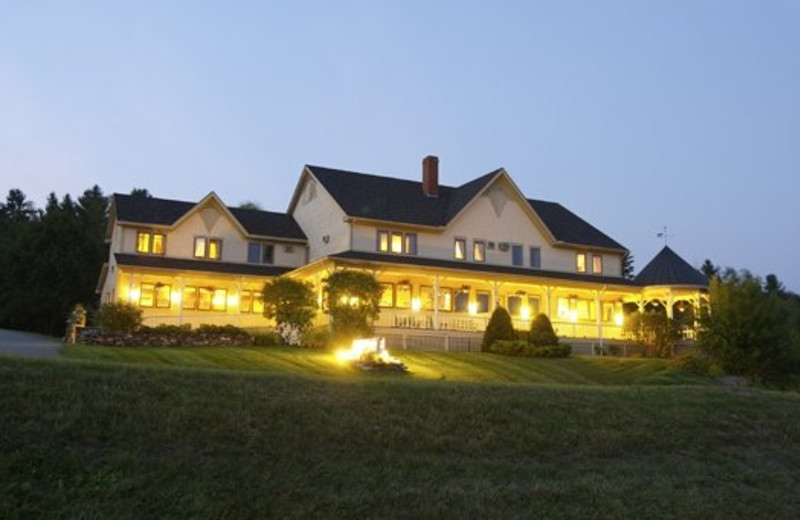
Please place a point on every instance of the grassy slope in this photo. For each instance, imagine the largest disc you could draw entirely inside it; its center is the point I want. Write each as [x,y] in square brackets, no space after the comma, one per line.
[473,367]
[92,440]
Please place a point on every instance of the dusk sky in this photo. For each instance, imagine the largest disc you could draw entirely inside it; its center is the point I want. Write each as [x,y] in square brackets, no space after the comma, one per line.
[634,114]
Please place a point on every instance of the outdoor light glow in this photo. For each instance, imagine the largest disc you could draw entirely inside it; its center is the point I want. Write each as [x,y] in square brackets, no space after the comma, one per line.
[416,304]
[525,313]
[219,299]
[373,348]
[175,297]
[233,300]
[472,308]
[135,294]
[573,316]
[618,319]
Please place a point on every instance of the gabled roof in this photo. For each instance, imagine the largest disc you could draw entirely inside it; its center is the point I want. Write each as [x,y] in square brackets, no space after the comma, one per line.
[166,212]
[668,268]
[569,228]
[374,197]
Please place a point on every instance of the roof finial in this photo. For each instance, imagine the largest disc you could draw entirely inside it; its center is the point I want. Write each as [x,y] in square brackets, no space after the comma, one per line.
[665,235]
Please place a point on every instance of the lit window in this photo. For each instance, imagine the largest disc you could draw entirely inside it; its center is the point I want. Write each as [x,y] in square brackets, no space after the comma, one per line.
[246,301]
[210,248]
[189,297]
[597,264]
[150,243]
[147,294]
[462,301]
[403,296]
[445,299]
[514,305]
[163,296]
[426,297]
[383,241]
[536,257]
[397,242]
[482,299]
[411,243]
[563,308]
[608,311]
[460,249]
[258,303]
[479,251]
[219,302]
[205,295]
[533,305]
[580,262]
[516,254]
[387,295]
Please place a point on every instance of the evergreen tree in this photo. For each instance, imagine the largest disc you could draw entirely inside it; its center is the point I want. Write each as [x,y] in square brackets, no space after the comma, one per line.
[627,265]
[542,333]
[499,327]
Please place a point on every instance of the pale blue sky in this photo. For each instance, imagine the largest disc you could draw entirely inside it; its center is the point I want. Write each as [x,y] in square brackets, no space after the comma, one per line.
[634,114]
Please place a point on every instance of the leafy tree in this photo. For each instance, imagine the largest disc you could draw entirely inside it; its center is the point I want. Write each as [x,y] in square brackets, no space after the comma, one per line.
[353,298]
[627,265]
[709,269]
[249,205]
[749,331]
[654,330]
[289,301]
[499,327]
[542,333]
[141,192]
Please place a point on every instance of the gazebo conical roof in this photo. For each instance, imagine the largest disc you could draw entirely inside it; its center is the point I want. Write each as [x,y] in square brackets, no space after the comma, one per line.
[668,268]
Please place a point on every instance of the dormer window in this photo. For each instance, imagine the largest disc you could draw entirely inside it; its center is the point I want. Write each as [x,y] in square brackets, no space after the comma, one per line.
[479,251]
[150,243]
[208,248]
[597,264]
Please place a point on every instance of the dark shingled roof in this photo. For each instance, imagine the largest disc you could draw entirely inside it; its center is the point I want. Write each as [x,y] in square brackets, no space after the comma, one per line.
[376,197]
[160,262]
[165,212]
[477,267]
[363,195]
[667,268]
[568,227]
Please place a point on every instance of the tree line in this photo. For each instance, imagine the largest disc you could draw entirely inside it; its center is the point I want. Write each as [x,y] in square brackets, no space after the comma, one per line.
[50,258]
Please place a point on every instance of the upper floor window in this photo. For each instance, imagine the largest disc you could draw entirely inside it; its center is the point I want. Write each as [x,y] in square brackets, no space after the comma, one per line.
[479,251]
[258,253]
[460,249]
[580,262]
[536,257]
[150,242]
[516,254]
[397,242]
[210,248]
[597,264]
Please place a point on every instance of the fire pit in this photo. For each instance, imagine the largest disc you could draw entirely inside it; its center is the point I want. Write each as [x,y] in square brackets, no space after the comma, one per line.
[370,354]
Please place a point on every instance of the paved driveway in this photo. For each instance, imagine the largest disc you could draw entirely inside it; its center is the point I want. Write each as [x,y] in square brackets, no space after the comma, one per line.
[16,343]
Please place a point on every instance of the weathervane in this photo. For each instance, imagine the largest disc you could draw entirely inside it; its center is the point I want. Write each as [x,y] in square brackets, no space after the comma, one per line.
[665,235]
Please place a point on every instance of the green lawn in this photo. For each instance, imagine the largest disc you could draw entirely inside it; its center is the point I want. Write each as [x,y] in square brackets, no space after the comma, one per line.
[467,367]
[86,439]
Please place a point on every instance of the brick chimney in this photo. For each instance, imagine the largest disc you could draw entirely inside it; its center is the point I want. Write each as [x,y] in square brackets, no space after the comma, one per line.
[430,176]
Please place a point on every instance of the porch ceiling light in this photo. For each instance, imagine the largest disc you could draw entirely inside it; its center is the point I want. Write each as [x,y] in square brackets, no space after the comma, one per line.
[416,304]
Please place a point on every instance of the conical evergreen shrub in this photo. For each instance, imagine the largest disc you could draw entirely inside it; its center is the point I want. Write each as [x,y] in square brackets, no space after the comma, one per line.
[542,333]
[498,328]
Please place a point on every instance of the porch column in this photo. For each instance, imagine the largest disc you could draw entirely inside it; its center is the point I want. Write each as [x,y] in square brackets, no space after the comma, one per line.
[670,303]
[598,311]
[436,302]
[181,283]
[495,294]
[548,295]
[239,286]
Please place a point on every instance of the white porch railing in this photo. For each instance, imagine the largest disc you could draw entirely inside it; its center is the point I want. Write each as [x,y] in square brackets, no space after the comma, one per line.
[425,320]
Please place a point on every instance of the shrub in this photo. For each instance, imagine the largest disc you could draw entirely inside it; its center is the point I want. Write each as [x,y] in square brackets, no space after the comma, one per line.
[318,338]
[118,317]
[542,332]
[267,339]
[654,330]
[499,327]
[525,349]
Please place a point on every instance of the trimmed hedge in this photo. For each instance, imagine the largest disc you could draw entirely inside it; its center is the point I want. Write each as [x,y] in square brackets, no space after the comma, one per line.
[169,336]
[525,349]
